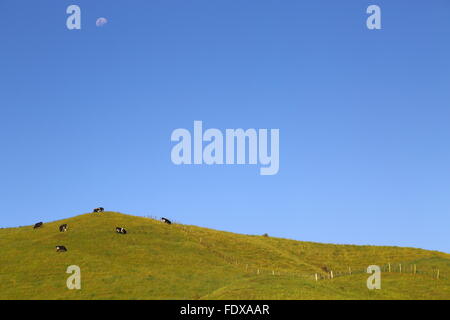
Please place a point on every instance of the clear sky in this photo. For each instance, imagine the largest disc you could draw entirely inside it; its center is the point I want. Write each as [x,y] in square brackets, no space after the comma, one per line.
[86,115]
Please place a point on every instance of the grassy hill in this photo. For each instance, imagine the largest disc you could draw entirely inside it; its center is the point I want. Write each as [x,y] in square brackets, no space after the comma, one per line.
[159,261]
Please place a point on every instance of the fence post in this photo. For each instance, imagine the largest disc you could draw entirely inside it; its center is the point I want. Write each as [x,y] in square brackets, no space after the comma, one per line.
[316,277]
[257,272]
[349,270]
[389,267]
[400,265]
[415,269]
[438,273]
[331,274]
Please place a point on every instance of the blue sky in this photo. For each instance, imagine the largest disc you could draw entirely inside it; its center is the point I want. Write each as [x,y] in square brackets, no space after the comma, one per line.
[86,115]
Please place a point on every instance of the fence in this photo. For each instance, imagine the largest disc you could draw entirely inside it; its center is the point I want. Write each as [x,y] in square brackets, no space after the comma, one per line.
[403,267]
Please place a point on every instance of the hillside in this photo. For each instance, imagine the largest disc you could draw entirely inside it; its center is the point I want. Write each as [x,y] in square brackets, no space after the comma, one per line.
[159,261]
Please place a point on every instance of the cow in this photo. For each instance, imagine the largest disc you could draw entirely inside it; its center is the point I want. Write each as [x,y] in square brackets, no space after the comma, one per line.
[63,228]
[100,209]
[61,249]
[38,225]
[121,230]
[166,221]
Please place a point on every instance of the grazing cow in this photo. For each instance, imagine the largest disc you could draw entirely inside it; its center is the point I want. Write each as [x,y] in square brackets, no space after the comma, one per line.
[38,225]
[121,230]
[63,228]
[61,249]
[100,209]
[166,221]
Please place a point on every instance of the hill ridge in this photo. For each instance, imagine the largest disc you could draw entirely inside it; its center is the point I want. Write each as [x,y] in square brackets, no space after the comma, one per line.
[159,261]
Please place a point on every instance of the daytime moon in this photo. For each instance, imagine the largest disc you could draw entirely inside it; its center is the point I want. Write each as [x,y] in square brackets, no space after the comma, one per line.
[101,22]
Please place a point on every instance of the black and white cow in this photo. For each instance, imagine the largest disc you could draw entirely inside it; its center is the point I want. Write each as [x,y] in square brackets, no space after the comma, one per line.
[63,228]
[38,225]
[166,221]
[61,249]
[121,230]
[100,209]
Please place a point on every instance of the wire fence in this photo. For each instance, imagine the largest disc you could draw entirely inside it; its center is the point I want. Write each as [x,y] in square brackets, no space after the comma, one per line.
[327,274]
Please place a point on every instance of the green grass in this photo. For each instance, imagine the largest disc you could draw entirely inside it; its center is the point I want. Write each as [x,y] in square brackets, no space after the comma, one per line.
[159,261]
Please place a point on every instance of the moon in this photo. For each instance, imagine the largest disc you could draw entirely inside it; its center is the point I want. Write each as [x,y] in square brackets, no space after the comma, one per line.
[101,22]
